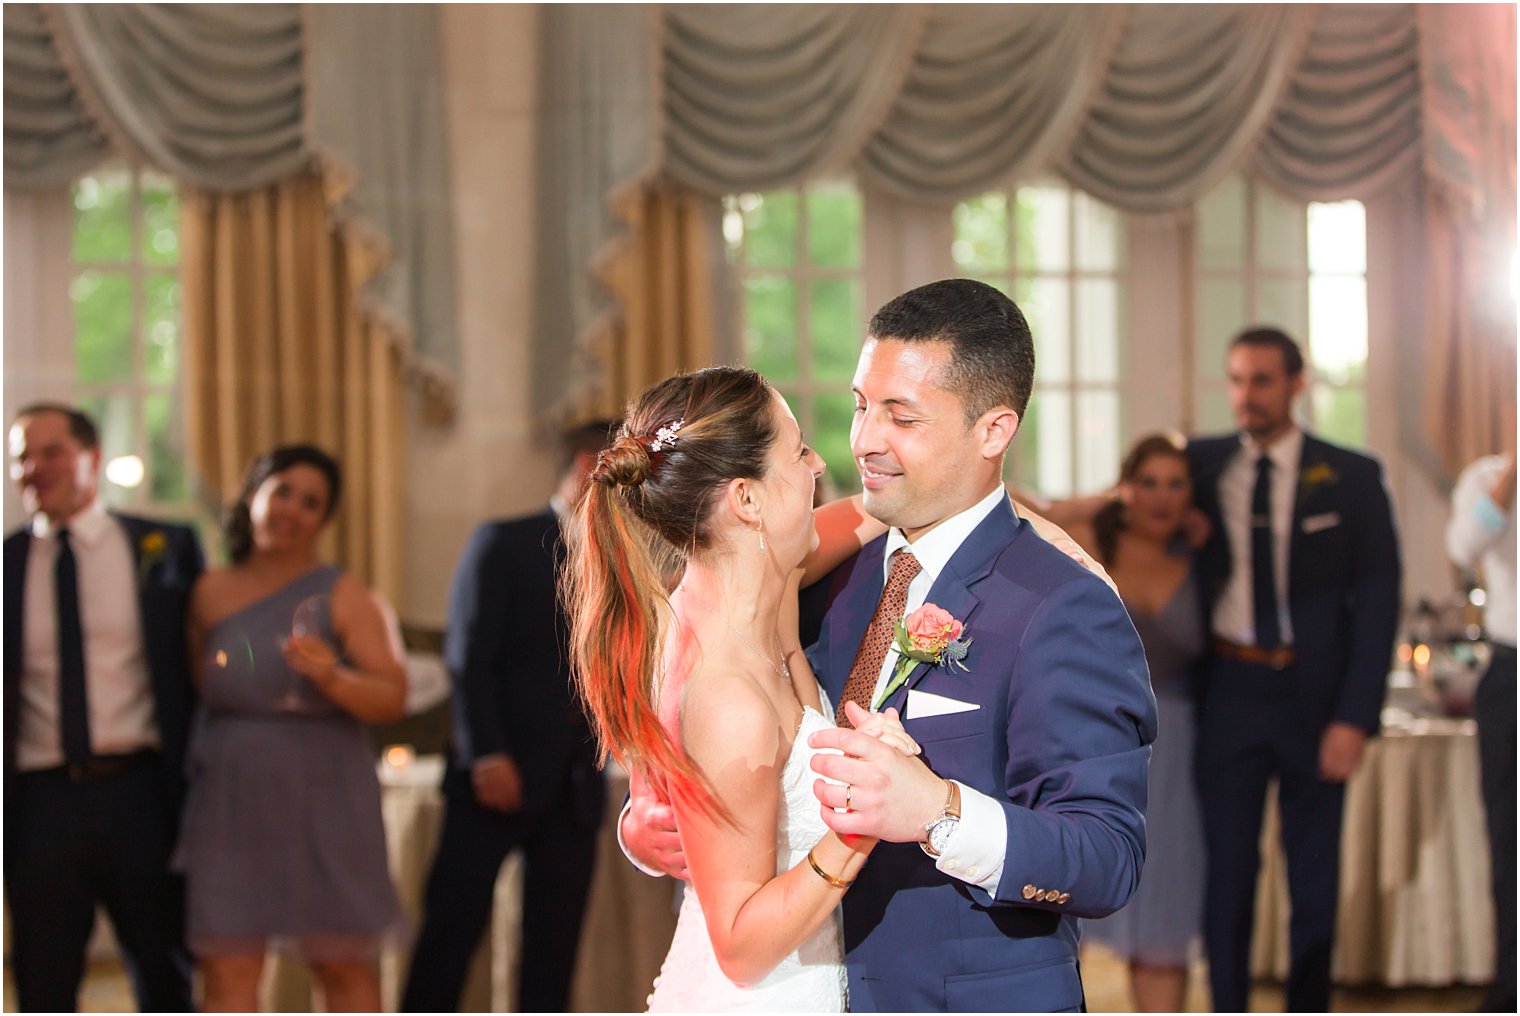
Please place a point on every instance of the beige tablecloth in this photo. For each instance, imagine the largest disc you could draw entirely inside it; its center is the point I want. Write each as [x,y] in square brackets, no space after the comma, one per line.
[1414,894]
[629,919]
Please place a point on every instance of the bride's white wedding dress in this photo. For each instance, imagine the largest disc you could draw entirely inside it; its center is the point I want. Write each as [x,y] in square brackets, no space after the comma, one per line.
[812,977]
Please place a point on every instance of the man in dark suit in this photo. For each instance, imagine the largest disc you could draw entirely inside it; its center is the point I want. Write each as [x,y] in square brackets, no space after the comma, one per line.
[1301,578]
[97,708]
[522,770]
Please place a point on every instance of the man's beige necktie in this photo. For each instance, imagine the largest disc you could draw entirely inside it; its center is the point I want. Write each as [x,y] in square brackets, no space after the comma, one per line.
[879,635]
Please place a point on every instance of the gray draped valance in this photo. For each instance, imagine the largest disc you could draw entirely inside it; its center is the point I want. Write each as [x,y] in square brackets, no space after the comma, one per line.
[1145,107]
[230,98]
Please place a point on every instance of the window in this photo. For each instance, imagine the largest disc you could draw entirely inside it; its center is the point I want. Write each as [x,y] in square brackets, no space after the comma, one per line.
[797,259]
[1266,259]
[125,293]
[1061,256]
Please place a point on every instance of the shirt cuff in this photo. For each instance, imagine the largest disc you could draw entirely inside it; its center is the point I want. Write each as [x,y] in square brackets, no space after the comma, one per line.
[1489,515]
[627,807]
[977,850]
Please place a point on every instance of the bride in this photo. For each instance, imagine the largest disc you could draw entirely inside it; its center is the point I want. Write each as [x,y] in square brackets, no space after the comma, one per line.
[704,693]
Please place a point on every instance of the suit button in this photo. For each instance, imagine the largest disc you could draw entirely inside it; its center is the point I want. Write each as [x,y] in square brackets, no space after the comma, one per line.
[1063,897]
[1029,892]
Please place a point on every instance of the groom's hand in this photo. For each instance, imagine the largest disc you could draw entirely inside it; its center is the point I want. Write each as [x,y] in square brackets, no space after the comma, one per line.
[649,831]
[892,796]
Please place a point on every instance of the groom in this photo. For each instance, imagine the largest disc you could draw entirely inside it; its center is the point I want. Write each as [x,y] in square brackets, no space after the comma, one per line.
[1026,808]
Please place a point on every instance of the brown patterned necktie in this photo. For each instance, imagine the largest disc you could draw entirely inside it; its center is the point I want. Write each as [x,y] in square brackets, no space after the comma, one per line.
[879,635]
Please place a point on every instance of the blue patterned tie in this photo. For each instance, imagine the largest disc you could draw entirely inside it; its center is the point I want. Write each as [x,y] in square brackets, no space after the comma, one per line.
[73,706]
[1263,573]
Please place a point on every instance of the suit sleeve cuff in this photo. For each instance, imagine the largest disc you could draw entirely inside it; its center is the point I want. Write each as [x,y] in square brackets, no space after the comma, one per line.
[976,852]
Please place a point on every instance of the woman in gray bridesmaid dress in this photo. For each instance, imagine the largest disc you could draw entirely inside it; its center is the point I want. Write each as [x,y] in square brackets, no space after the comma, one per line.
[281,840]
[1138,539]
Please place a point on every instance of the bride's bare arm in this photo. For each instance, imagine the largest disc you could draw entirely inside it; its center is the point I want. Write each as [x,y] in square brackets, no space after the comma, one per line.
[754,916]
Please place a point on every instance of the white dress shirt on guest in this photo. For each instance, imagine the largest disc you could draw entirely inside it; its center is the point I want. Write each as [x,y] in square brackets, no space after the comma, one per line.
[1235,612]
[1480,533]
[118,685]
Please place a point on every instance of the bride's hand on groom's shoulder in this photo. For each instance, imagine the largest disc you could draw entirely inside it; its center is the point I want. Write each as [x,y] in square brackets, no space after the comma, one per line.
[886,726]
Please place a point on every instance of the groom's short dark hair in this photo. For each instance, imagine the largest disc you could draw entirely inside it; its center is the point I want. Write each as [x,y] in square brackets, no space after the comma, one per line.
[992,360]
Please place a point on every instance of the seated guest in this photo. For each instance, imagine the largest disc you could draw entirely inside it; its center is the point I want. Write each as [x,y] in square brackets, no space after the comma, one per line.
[282,844]
[522,769]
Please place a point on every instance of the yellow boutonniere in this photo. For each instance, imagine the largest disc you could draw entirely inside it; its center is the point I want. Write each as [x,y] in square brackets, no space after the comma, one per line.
[1321,474]
[151,550]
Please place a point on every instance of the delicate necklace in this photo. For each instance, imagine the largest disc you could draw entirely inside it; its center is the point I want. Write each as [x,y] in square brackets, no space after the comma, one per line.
[783,671]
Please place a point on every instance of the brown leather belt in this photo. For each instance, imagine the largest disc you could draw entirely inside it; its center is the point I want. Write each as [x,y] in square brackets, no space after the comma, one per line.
[1280,658]
[101,767]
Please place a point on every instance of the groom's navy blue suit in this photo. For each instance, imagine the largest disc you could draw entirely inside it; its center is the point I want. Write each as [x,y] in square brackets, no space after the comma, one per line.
[1060,738]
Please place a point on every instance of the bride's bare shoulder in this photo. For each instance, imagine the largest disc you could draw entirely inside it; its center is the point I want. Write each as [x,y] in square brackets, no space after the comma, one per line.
[726,718]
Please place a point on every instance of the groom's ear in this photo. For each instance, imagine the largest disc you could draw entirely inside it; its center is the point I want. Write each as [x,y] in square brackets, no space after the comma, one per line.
[995,431]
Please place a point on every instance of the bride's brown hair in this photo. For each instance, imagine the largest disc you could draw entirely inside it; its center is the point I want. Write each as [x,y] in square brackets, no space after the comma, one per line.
[647,509]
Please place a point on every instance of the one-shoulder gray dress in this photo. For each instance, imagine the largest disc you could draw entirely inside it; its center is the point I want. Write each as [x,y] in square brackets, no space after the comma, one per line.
[1161,923]
[281,840]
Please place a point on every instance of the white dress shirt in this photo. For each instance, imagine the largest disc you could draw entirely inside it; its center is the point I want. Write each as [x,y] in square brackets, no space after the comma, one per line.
[975,853]
[1481,534]
[1235,613]
[118,687]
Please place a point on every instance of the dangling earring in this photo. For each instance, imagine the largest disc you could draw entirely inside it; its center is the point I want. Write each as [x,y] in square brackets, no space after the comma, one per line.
[761,531]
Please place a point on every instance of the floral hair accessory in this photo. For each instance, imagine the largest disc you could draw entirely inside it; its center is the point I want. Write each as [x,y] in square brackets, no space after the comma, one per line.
[928,635]
[665,436]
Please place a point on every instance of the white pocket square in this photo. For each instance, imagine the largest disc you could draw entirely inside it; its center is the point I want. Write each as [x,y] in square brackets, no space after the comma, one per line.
[922,704]
[1314,523]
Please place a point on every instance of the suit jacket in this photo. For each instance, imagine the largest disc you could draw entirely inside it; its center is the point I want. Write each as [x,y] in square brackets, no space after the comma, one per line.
[1343,575]
[165,580]
[507,652]
[1061,738]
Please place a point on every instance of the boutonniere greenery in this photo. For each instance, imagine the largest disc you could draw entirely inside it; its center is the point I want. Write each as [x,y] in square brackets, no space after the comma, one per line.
[151,551]
[928,635]
[1317,476]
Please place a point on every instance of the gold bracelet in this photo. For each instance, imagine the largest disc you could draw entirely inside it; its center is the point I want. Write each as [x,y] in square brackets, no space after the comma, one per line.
[837,883]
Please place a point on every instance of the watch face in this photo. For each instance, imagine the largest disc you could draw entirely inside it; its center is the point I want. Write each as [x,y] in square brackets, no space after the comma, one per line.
[940,833]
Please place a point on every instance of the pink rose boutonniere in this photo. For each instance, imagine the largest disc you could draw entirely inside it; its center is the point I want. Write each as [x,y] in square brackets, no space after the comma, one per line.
[928,635]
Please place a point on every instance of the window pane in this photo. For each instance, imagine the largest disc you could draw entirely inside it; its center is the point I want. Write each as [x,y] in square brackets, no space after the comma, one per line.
[161,329]
[102,326]
[166,455]
[1221,314]
[981,233]
[160,224]
[113,415]
[1340,414]
[831,437]
[1222,225]
[1041,227]
[1285,304]
[103,217]
[1022,463]
[1098,327]
[1338,327]
[835,328]
[1100,240]
[834,225]
[1338,237]
[1051,444]
[1097,440]
[1047,307]
[770,326]
[770,227]
[1281,231]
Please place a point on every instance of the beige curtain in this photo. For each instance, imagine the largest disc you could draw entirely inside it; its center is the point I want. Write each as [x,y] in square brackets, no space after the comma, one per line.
[276,352]
[664,277]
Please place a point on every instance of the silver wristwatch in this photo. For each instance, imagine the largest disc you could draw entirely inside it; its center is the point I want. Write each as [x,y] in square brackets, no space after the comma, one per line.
[943,825]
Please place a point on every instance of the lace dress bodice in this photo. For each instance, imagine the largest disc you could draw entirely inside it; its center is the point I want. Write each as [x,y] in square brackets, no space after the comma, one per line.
[812,977]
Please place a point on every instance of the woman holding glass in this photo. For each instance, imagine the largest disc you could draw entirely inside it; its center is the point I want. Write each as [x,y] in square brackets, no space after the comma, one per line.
[281,841]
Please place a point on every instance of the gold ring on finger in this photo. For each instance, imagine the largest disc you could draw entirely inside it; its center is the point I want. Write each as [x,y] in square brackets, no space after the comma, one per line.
[847,789]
